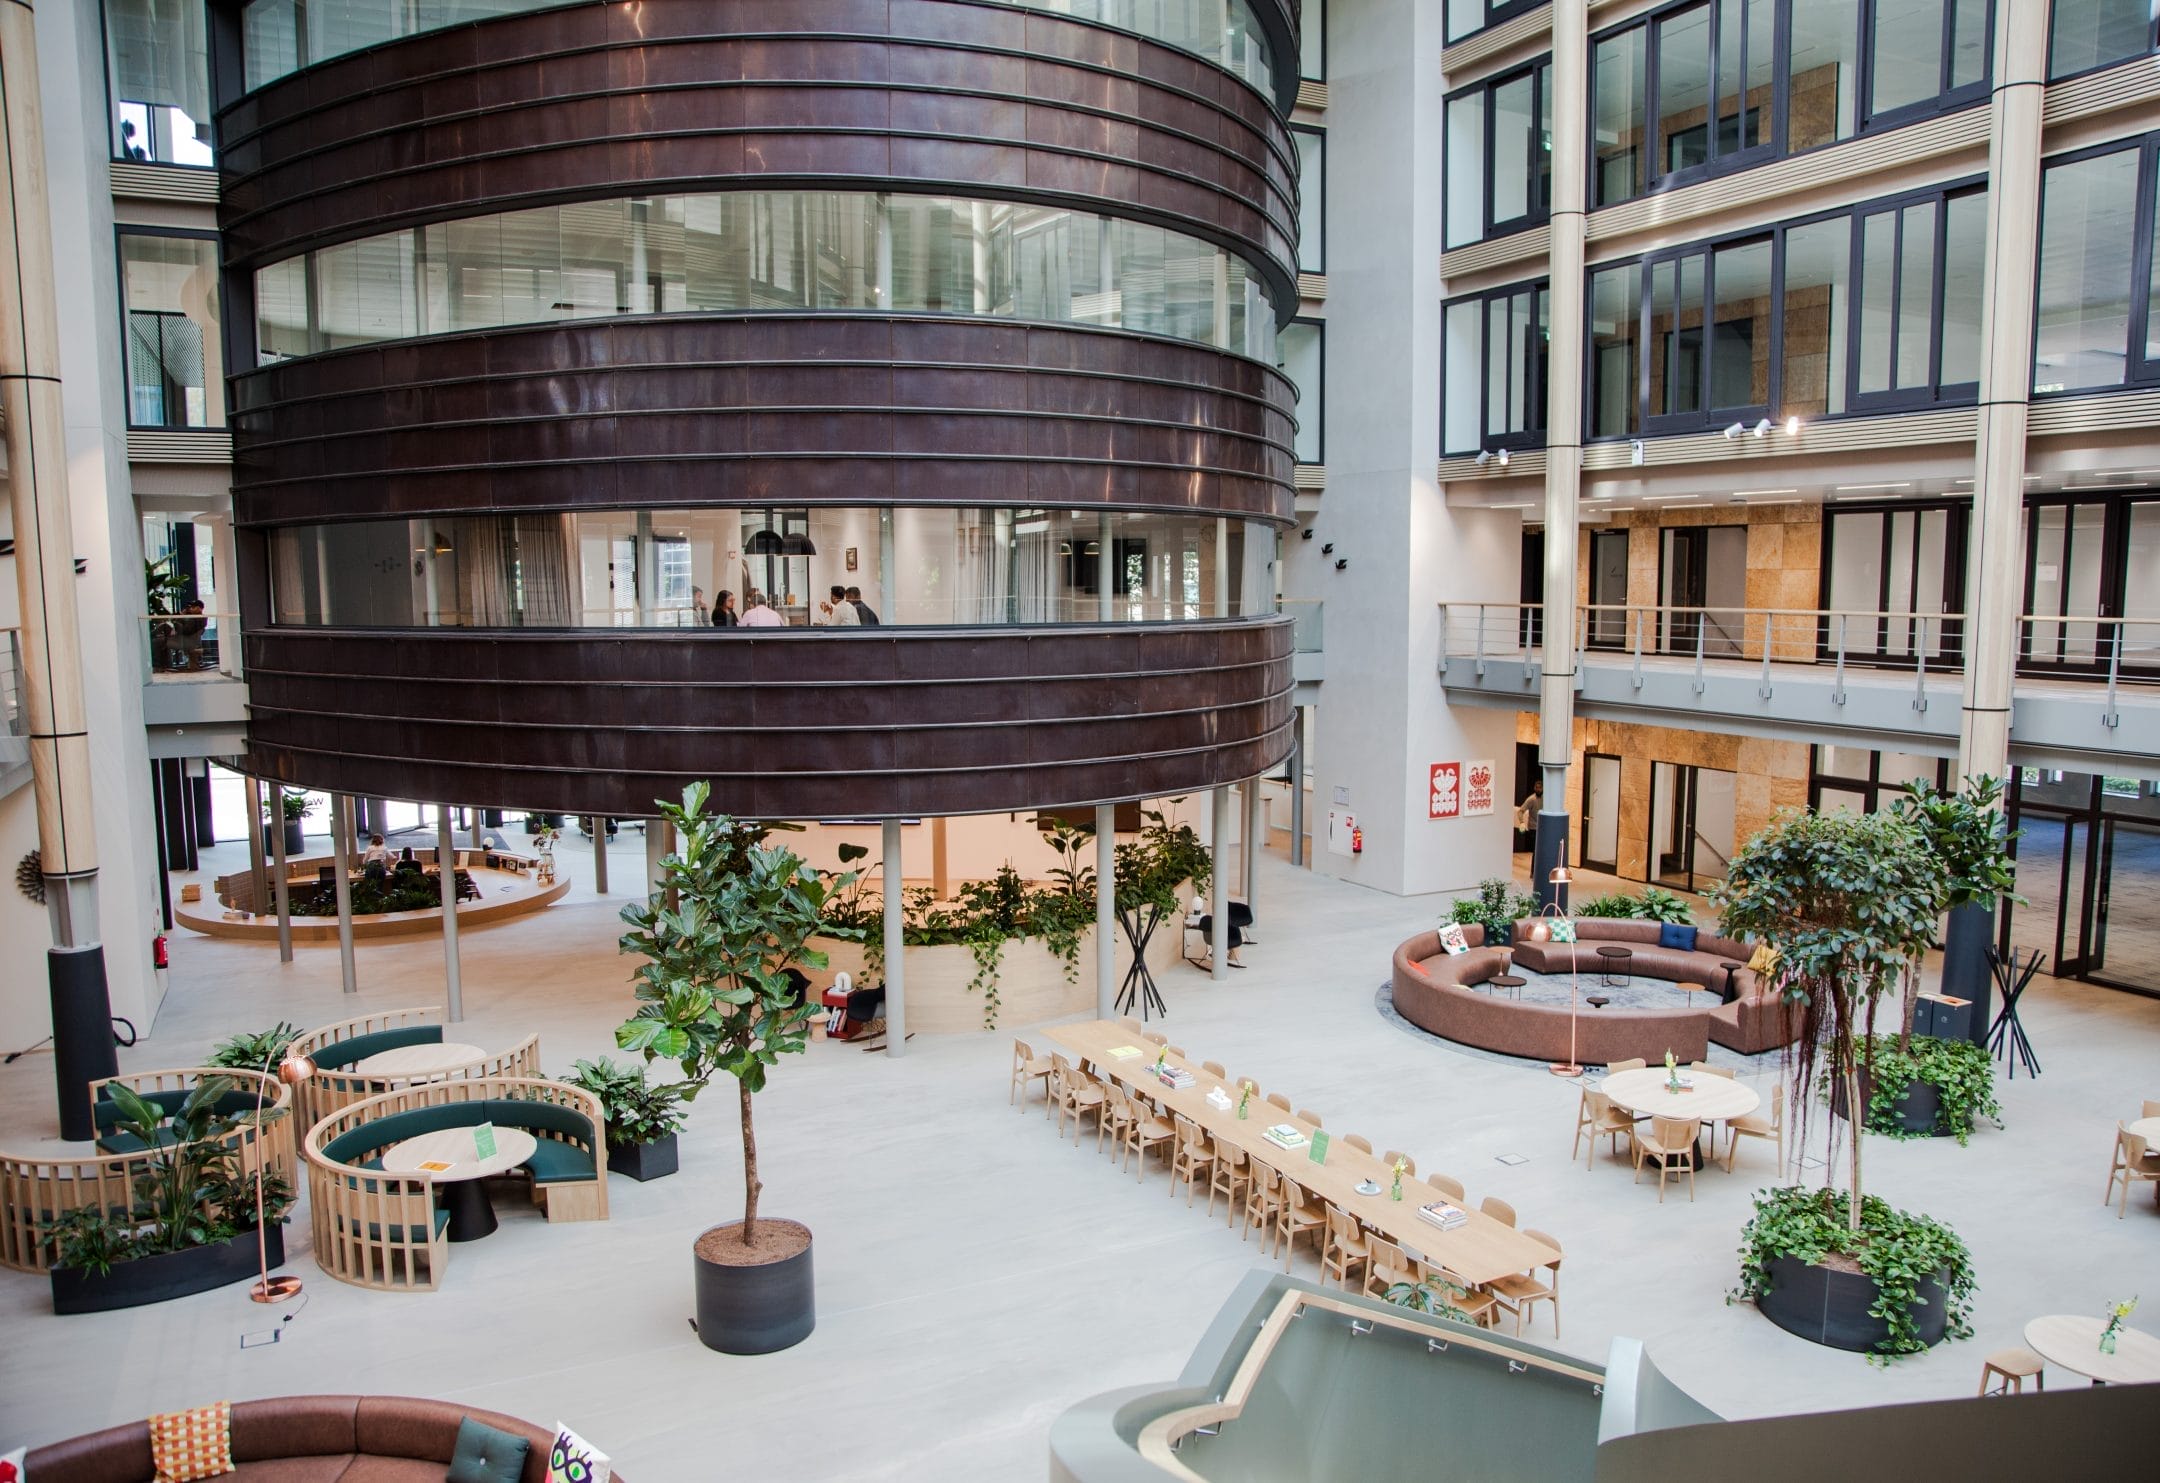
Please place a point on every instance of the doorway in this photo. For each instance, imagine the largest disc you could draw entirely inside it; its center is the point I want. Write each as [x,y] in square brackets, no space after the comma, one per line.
[1607,627]
[1702,589]
[1601,813]
[2087,561]
[1691,824]
[2089,869]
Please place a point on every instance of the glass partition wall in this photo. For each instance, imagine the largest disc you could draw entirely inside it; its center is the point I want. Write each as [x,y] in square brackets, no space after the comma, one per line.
[913,566]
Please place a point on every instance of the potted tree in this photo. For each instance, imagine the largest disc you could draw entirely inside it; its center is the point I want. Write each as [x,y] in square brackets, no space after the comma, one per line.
[1965,831]
[642,1119]
[287,809]
[1849,900]
[728,918]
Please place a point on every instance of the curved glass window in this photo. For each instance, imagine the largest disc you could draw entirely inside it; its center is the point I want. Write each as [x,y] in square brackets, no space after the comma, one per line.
[746,251]
[910,567]
[283,36]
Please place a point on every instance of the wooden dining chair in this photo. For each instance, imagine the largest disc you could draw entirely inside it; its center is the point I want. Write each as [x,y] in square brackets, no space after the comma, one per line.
[1595,1118]
[1386,1265]
[1277,1099]
[1358,1141]
[1344,1247]
[1670,1141]
[1707,1069]
[2006,1370]
[1498,1209]
[1154,1039]
[1076,1095]
[1146,1129]
[1231,1178]
[1522,1292]
[1194,1157]
[1391,1158]
[1448,1186]
[1176,1050]
[1311,1119]
[1263,1201]
[1127,1022]
[1297,1214]
[1028,1067]
[2133,1161]
[1613,1068]
[1117,1115]
[2152,1109]
[1475,1303]
[1755,1125]
[1214,1069]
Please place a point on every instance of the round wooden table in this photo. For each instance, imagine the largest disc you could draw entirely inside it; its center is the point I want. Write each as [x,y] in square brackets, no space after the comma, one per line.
[2147,1128]
[2072,1341]
[1714,1099]
[430,1058]
[459,1186]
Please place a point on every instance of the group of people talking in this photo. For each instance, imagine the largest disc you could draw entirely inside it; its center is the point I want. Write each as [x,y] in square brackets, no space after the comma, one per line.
[845,608]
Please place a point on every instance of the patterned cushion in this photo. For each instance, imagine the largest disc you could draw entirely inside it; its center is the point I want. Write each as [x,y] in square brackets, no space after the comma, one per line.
[186,1445]
[1563,929]
[574,1460]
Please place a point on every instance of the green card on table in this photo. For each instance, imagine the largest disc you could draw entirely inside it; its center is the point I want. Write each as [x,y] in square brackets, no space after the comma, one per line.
[483,1138]
[1319,1147]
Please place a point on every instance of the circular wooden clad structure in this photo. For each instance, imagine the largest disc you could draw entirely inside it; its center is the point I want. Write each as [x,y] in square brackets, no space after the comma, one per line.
[503,894]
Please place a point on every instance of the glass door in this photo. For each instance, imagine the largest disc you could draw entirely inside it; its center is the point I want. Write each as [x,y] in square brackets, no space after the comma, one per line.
[2066,568]
[1702,589]
[1607,626]
[1691,824]
[1601,812]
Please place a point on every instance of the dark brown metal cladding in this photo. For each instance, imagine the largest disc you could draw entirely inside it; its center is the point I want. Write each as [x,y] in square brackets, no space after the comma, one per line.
[589,101]
[686,410]
[893,722]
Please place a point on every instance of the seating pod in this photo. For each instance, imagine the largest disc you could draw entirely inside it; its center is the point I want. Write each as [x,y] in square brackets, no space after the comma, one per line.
[334,1048]
[36,1190]
[1753,1018]
[382,1230]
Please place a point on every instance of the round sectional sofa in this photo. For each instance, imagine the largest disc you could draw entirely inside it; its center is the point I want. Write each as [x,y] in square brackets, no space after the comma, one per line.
[1437,992]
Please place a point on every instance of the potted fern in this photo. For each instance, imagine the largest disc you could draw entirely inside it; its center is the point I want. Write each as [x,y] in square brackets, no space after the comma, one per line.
[642,1119]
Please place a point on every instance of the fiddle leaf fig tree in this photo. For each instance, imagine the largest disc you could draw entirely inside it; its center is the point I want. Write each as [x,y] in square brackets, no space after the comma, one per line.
[1848,900]
[728,918]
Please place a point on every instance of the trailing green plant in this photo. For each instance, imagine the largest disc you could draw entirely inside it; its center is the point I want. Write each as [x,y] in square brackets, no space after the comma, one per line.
[1435,1295]
[255,1051]
[634,1109]
[726,920]
[1496,907]
[164,589]
[1899,1251]
[1653,905]
[1962,1074]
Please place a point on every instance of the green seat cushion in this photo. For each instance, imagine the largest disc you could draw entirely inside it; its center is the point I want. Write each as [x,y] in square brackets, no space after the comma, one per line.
[121,1142]
[106,1113]
[343,1053]
[415,1234]
[554,1163]
[484,1454]
[540,1117]
[381,1132]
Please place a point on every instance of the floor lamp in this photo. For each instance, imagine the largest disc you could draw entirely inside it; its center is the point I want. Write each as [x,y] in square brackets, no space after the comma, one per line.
[1541,931]
[292,1071]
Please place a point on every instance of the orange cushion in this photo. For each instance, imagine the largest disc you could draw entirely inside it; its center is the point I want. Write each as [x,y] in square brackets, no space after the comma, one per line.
[186,1445]
[1419,969]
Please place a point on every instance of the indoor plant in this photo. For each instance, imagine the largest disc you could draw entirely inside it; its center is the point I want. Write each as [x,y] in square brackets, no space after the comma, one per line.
[290,806]
[1849,900]
[251,1051]
[1496,907]
[1965,831]
[1921,1086]
[729,916]
[642,1119]
[190,1223]
[1653,905]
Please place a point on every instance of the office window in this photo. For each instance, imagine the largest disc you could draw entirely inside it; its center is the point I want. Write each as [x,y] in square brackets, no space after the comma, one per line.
[157,60]
[1698,88]
[1312,40]
[176,367]
[1466,17]
[2097,33]
[1493,369]
[1499,155]
[1711,334]
[1298,346]
[2095,233]
[1312,199]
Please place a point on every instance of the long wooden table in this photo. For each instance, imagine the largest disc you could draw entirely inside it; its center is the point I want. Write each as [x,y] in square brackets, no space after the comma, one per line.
[1480,1251]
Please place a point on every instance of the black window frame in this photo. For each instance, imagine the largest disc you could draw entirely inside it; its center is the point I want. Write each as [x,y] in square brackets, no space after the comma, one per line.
[1537,288]
[1497,12]
[1539,71]
[122,231]
[2152,45]
[112,103]
[1935,393]
[1866,120]
[1312,21]
[1872,648]
[1872,789]
[1320,392]
[1708,418]
[2139,371]
[1321,135]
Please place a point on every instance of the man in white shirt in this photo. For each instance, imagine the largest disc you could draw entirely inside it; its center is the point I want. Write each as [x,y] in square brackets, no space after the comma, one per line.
[758,615]
[838,612]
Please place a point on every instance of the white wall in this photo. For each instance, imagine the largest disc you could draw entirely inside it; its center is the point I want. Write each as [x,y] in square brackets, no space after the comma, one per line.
[1382,717]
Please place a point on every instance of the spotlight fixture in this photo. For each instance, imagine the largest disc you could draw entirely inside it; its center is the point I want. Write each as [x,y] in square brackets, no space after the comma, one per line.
[1342,563]
[1484,457]
[1635,451]
[1503,458]
[1762,428]
[1735,431]
[1792,427]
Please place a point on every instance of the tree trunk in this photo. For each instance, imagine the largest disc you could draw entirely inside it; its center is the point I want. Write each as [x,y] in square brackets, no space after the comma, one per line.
[1854,1123]
[752,1185]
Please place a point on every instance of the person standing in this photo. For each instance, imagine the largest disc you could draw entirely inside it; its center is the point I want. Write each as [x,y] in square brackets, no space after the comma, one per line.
[837,611]
[758,615]
[723,613]
[866,614]
[700,614]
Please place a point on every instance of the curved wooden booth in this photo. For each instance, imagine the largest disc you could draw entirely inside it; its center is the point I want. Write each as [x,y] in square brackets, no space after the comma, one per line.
[507,890]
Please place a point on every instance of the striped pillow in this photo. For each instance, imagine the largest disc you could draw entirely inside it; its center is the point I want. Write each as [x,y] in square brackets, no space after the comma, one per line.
[186,1445]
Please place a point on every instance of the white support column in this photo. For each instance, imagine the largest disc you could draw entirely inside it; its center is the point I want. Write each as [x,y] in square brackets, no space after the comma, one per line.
[1219,936]
[1996,560]
[1249,845]
[446,883]
[281,891]
[1297,787]
[341,883]
[1105,910]
[895,945]
[599,854]
[1105,568]
[258,881]
[659,839]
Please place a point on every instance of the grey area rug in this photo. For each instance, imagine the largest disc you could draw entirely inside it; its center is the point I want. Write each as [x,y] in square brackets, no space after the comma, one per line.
[1384,1002]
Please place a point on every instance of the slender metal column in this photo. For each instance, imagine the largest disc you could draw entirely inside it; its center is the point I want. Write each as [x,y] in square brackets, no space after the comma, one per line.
[1297,787]
[895,944]
[446,884]
[1563,446]
[599,855]
[1996,559]
[260,882]
[1105,567]
[1219,936]
[1105,910]
[341,881]
[281,892]
[1250,843]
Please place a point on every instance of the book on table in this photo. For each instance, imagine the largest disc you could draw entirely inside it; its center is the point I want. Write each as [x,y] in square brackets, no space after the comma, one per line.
[1447,1217]
[1285,1135]
[1124,1052]
[1177,1078]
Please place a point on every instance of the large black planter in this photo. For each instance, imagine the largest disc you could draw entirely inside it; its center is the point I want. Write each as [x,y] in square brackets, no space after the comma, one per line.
[157,1279]
[1831,1308]
[1917,1110]
[1966,974]
[295,837]
[643,1161]
[755,1310]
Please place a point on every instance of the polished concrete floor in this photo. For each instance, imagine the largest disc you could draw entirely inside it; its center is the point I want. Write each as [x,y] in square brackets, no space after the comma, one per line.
[975,1275]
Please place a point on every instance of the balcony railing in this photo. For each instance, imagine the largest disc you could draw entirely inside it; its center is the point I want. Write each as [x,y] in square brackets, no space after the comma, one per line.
[1307,636]
[192,645]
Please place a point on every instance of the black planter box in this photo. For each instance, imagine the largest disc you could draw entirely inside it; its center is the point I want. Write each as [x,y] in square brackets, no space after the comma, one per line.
[1917,1110]
[643,1161]
[755,1310]
[171,1274]
[1831,1308]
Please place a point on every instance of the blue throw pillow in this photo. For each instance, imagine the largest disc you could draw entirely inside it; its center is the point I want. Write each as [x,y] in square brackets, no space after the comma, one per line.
[1673,935]
[486,1455]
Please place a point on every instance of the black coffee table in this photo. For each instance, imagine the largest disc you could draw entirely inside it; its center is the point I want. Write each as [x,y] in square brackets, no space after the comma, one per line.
[1507,981]
[1616,968]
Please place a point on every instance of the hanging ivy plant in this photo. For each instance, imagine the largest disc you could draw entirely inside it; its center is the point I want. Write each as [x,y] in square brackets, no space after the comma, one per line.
[1962,1074]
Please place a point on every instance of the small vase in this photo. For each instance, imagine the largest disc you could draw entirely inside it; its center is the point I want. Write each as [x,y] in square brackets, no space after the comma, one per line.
[1398,1188]
[2107,1340]
[1241,1108]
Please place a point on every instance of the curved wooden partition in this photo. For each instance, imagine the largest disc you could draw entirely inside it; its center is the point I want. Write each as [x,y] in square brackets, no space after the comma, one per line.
[786,723]
[634,97]
[683,410]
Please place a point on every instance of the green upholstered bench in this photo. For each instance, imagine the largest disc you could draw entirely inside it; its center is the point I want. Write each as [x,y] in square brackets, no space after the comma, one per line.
[112,1138]
[553,1161]
[339,1054]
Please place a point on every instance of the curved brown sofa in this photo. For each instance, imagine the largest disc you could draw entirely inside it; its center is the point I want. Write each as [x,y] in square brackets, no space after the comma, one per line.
[304,1439]
[1753,1017]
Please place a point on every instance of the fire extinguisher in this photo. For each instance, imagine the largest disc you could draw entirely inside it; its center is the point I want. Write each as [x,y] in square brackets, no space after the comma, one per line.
[1357,841]
[158,955]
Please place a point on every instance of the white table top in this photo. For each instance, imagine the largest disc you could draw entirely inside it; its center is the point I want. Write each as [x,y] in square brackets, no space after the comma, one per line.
[1714,1098]
[427,1059]
[2073,1342]
[2147,1128]
[454,1146]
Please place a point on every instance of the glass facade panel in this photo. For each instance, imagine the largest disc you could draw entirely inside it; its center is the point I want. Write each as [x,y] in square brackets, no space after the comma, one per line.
[1312,40]
[1817,307]
[1878,288]
[1299,346]
[176,362]
[1499,155]
[1312,199]
[1514,126]
[282,36]
[1916,295]
[2088,238]
[1615,327]
[1740,328]
[1495,369]
[1908,53]
[2093,33]
[1618,107]
[157,59]
[1463,327]
[1964,286]
[678,568]
[1822,74]
[1465,168]
[761,250]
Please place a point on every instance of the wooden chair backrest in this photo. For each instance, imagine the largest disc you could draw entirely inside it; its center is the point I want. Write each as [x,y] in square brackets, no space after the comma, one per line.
[1544,1240]
[1310,1117]
[1498,1209]
[1637,1064]
[1277,1099]
[1674,1133]
[1022,1054]
[1214,1069]
[1358,1141]
[1452,1188]
[1341,1224]
[1393,1157]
